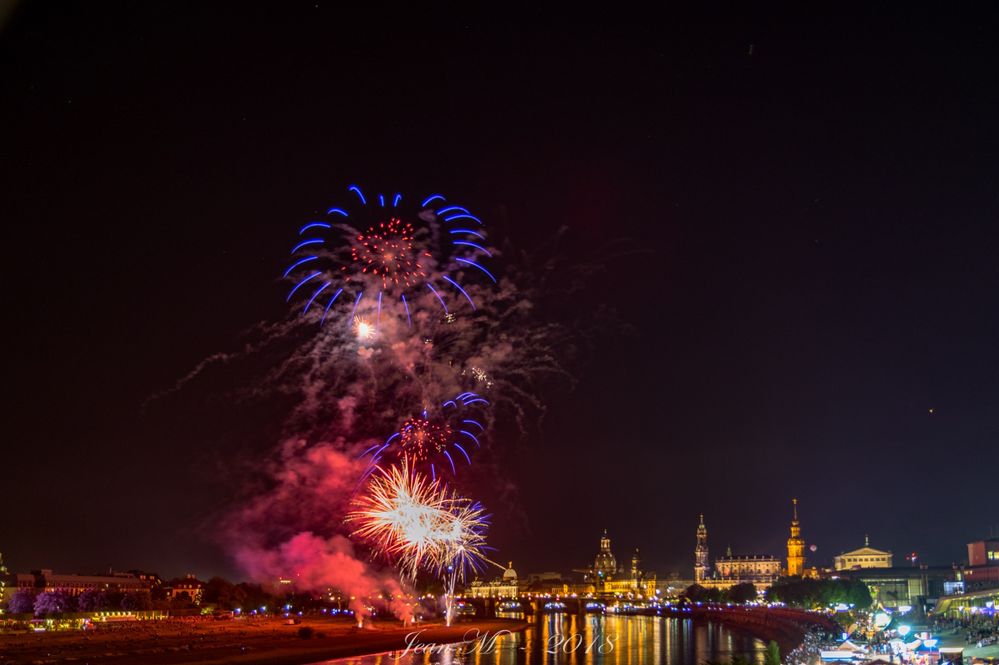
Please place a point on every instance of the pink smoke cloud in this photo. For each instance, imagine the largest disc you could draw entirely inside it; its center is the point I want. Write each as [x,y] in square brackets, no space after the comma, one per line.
[290,530]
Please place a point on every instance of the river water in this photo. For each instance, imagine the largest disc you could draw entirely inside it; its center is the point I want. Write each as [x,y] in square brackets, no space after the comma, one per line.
[556,639]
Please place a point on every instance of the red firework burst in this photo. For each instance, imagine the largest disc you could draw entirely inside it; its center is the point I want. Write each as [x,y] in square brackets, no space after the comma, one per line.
[421,438]
[387,251]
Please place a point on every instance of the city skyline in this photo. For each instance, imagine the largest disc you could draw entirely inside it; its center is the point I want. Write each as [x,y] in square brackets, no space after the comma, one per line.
[828,562]
[776,278]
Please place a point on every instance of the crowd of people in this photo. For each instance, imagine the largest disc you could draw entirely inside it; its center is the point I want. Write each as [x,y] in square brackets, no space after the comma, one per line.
[979,630]
[808,650]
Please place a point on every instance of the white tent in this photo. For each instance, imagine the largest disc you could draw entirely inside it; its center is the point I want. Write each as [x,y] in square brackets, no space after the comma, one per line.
[850,646]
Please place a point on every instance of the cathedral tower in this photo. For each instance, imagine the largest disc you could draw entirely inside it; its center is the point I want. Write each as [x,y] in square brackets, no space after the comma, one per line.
[701,553]
[795,547]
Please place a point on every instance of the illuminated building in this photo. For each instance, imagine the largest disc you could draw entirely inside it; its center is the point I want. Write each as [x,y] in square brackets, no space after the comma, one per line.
[190,585]
[73,585]
[795,546]
[965,605]
[605,565]
[760,570]
[983,564]
[701,565]
[505,586]
[983,553]
[905,586]
[865,557]
[608,579]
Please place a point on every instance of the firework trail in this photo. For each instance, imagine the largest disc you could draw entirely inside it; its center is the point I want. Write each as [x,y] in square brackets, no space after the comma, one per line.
[464,544]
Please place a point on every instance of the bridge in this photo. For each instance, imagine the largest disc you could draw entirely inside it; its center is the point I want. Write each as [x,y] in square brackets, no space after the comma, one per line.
[784,625]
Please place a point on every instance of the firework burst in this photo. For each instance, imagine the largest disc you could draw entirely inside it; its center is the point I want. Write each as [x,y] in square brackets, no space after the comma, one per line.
[387,258]
[420,524]
[402,514]
[433,441]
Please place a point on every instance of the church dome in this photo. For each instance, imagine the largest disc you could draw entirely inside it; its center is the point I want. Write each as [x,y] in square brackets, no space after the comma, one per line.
[605,564]
[510,574]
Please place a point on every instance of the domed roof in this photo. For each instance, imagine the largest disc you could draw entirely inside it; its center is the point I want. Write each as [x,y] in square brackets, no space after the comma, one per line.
[510,573]
[605,564]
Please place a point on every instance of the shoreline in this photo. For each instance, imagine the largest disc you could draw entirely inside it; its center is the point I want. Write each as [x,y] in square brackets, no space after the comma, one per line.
[787,628]
[273,641]
[263,642]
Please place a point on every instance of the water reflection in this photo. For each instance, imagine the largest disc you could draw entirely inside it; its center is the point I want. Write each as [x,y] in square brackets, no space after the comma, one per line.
[592,639]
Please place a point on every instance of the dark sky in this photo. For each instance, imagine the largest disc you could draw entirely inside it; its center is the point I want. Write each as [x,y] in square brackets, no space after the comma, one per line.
[817,197]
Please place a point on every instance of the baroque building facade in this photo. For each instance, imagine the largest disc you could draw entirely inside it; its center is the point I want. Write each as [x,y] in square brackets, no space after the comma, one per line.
[761,570]
[507,585]
[609,579]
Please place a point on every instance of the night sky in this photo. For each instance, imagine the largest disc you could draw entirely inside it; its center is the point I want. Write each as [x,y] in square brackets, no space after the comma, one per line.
[810,305]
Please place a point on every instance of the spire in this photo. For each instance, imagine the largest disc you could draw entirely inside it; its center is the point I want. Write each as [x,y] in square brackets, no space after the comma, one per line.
[795,545]
[867,541]
[701,552]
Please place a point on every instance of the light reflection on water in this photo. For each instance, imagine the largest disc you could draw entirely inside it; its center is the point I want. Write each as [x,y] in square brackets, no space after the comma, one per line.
[592,639]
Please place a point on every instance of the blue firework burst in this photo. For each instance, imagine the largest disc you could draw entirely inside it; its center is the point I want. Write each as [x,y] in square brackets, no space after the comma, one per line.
[381,256]
[441,441]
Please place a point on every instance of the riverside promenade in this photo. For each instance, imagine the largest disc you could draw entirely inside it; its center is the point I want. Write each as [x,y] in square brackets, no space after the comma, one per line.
[785,626]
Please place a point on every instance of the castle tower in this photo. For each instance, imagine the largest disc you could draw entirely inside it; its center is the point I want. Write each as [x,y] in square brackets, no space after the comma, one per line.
[795,547]
[701,553]
[636,563]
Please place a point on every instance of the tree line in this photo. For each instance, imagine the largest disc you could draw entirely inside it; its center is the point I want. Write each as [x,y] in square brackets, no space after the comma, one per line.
[217,592]
[794,591]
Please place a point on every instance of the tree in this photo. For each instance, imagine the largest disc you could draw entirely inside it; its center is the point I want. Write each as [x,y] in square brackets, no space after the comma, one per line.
[859,595]
[222,593]
[772,655]
[696,593]
[52,602]
[111,600]
[743,592]
[89,600]
[182,601]
[22,602]
[255,597]
[823,593]
[136,601]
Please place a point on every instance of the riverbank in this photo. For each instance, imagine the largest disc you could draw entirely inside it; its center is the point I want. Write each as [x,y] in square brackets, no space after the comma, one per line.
[784,626]
[237,642]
